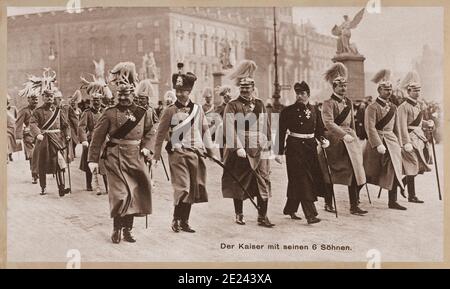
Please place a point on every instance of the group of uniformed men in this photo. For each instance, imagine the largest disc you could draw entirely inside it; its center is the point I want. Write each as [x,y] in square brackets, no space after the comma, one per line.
[321,148]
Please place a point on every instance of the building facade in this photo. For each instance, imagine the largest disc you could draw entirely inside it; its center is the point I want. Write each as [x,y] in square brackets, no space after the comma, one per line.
[207,40]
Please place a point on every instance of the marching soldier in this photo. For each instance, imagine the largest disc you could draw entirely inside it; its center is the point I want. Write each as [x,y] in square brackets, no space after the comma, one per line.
[304,126]
[247,137]
[382,154]
[415,153]
[344,153]
[97,90]
[189,137]
[49,127]
[145,91]
[208,106]
[23,132]
[129,128]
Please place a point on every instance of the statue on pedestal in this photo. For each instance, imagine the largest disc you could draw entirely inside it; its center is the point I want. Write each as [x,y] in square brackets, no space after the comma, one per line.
[149,69]
[343,32]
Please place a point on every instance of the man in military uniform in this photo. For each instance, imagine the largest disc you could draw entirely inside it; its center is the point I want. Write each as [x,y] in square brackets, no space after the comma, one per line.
[382,154]
[344,153]
[129,128]
[50,128]
[247,135]
[224,91]
[23,132]
[189,138]
[304,126]
[97,90]
[415,153]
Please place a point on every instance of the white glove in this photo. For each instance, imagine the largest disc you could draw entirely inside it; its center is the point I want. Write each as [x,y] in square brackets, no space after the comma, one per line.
[145,152]
[430,123]
[18,142]
[348,138]
[381,149]
[279,159]
[325,143]
[93,166]
[241,153]
[408,147]
[40,137]
[85,143]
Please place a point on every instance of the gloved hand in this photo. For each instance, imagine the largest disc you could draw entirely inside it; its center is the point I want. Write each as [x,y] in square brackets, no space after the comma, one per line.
[145,152]
[40,136]
[430,123]
[381,149]
[348,138]
[325,143]
[408,147]
[85,143]
[241,153]
[67,138]
[92,166]
[279,159]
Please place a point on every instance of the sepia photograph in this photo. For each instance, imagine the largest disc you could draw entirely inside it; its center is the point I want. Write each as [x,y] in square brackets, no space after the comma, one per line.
[208,135]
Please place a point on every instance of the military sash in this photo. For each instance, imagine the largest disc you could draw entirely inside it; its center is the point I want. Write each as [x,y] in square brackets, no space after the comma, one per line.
[386,119]
[51,121]
[194,108]
[416,122]
[131,123]
[339,119]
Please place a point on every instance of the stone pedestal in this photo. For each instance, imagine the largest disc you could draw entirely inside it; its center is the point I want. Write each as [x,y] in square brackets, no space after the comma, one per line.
[355,66]
[217,81]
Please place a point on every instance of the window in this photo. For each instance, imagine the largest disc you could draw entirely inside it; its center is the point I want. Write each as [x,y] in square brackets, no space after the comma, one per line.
[123,44]
[157,45]
[204,46]
[192,43]
[139,44]
[92,44]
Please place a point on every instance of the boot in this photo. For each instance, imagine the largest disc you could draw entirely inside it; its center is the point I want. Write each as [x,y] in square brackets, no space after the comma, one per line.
[127,236]
[265,222]
[294,216]
[43,191]
[329,208]
[63,191]
[176,225]
[393,200]
[412,198]
[127,228]
[117,230]
[35,179]
[313,220]
[240,219]
[355,210]
[185,226]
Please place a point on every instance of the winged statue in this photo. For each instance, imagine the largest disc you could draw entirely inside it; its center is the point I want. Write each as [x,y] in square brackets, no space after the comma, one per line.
[343,32]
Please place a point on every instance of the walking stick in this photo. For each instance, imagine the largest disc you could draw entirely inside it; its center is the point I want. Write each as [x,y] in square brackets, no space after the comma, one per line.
[368,194]
[435,165]
[379,192]
[331,182]
[164,167]
[68,167]
[97,185]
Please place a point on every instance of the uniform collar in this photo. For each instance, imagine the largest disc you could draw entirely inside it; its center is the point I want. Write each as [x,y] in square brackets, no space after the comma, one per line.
[182,105]
[411,101]
[381,101]
[246,100]
[336,97]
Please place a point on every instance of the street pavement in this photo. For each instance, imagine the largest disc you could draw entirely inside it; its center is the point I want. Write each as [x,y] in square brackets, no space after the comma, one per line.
[45,228]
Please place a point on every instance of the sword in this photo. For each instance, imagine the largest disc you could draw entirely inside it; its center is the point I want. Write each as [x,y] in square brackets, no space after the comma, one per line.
[435,164]
[331,182]
[368,194]
[206,155]
[96,183]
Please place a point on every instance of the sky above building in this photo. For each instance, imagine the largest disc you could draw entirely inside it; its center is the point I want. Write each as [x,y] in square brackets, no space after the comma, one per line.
[393,38]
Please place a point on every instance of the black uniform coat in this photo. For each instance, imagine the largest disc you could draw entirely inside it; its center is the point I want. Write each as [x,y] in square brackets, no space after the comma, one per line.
[305,179]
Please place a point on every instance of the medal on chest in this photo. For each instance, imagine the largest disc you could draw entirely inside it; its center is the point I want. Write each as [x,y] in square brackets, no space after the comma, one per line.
[129,115]
[307,113]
